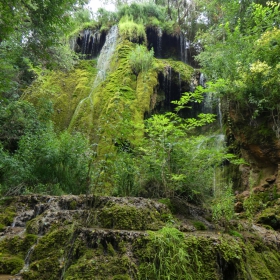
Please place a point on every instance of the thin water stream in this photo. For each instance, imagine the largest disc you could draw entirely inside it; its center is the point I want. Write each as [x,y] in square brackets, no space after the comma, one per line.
[103,65]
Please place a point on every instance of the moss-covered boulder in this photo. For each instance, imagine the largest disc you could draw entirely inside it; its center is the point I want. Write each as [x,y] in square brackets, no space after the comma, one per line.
[89,237]
[10,264]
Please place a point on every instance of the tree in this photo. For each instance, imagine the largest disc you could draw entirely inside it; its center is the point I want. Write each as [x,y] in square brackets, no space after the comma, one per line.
[242,59]
[172,159]
[32,31]
[38,17]
[46,162]
[17,119]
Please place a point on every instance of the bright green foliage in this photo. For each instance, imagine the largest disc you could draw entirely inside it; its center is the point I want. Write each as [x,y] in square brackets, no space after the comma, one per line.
[243,59]
[34,31]
[145,12]
[175,163]
[223,205]
[134,32]
[168,258]
[141,60]
[17,118]
[48,163]
[9,54]
[105,19]
[126,174]
[38,15]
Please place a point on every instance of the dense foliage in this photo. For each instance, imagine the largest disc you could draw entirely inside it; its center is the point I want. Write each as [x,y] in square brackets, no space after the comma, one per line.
[238,45]
[241,58]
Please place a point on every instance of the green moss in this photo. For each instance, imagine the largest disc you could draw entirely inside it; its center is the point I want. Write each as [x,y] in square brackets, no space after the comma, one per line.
[63,90]
[50,254]
[52,244]
[270,216]
[132,31]
[206,257]
[72,205]
[10,264]
[7,216]
[168,203]
[32,226]
[129,217]
[45,269]
[121,277]
[111,250]
[235,233]
[102,269]
[255,265]
[17,245]
[199,225]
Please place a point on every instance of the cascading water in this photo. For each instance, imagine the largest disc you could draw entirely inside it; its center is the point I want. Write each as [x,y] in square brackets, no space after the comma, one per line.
[159,43]
[202,80]
[167,84]
[85,43]
[27,259]
[180,84]
[107,51]
[103,65]
[183,51]
[94,43]
[215,138]
[88,43]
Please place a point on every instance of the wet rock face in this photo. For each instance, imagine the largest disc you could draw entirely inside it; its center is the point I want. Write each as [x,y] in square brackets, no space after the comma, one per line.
[75,237]
[256,142]
[40,213]
[88,43]
[255,136]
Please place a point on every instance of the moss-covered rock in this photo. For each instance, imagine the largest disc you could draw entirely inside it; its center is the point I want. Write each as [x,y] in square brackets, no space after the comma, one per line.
[17,245]
[63,90]
[7,216]
[10,264]
[103,268]
[73,247]
[270,216]
[130,217]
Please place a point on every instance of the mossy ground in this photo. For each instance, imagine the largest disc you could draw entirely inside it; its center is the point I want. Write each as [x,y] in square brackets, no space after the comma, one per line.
[126,249]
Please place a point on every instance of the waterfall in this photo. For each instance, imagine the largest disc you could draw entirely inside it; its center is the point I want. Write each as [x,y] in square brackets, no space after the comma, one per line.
[159,42]
[183,52]
[28,256]
[220,116]
[180,84]
[94,43]
[106,53]
[27,259]
[167,84]
[103,65]
[85,42]
[202,80]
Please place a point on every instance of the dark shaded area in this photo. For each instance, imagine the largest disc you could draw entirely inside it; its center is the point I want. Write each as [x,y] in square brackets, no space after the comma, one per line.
[167,46]
[170,88]
[89,44]
[171,46]
[227,270]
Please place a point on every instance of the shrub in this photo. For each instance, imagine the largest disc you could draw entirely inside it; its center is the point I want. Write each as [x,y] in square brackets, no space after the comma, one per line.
[134,32]
[47,162]
[140,59]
